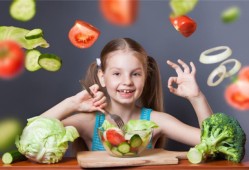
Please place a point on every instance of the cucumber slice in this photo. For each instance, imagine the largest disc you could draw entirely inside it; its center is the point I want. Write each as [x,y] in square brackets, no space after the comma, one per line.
[33,34]
[13,156]
[136,141]
[116,152]
[31,60]
[230,14]
[50,62]
[23,10]
[124,147]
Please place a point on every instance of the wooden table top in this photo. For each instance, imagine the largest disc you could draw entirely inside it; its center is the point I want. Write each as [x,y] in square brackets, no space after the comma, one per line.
[71,163]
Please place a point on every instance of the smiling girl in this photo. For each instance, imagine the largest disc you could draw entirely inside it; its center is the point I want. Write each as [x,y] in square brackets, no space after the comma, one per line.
[127,83]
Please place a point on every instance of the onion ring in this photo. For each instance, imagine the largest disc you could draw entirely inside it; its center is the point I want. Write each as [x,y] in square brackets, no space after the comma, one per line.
[235,68]
[210,59]
[219,71]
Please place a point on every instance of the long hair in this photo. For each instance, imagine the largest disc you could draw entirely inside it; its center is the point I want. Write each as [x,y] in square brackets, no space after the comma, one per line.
[152,95]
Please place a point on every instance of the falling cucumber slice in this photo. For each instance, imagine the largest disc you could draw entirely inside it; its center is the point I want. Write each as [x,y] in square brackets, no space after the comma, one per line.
[230,15]
[23,10]
[33,34]
[50,62]
[182,7]
[31,60]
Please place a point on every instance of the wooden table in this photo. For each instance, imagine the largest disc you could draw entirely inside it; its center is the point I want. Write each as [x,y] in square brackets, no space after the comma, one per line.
[71,163]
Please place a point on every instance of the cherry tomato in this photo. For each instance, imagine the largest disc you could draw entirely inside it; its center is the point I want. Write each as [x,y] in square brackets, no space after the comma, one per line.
[184,24]
[11,59]
[244,74]
[83,35]
[235,97]
[119,12]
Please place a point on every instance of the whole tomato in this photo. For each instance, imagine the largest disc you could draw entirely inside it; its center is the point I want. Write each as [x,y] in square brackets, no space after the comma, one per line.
[119,12]
[244,74]
[11,59]
[184,24]
[235,96]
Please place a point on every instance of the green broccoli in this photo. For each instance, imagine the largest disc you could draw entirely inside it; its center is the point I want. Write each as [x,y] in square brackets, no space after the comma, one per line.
[221,137]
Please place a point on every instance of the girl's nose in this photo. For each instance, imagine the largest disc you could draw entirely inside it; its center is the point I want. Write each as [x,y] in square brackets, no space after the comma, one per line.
[127,80]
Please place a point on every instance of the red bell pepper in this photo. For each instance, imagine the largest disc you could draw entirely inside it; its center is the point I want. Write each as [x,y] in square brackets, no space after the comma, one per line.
[184,24]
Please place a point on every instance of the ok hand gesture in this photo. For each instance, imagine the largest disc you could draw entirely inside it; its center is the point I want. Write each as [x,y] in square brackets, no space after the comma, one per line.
[185,82]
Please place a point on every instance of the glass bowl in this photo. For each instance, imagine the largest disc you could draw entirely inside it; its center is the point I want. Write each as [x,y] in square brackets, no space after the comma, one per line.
[120,143]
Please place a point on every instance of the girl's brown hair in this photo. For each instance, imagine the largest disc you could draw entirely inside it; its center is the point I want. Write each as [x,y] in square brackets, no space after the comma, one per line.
[152,96]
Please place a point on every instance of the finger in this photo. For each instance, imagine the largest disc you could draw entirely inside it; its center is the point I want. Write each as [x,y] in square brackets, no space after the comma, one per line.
[175,66]
[171,81]
[100,102]
[101,107]
[98,96]
[94,88]
[193,68]
[172,89]
[184,65]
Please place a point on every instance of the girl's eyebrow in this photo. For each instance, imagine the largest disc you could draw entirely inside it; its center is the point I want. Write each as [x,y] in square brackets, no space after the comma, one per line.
[117,68]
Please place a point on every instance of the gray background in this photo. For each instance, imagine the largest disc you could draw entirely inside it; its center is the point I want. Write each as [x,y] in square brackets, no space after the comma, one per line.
[32,93]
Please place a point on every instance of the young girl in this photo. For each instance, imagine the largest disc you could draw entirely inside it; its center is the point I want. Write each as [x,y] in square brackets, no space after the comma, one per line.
[127,83]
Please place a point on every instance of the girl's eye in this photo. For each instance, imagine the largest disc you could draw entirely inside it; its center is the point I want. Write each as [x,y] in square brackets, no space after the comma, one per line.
[136,74]
[116,74]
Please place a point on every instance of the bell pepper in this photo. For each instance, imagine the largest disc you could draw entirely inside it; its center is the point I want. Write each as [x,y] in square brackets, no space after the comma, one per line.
[183,24]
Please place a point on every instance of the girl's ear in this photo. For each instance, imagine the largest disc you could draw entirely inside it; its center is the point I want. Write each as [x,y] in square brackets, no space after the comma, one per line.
[101,77]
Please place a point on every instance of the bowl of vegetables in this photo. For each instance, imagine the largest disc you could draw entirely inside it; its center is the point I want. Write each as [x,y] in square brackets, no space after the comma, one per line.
[130,142]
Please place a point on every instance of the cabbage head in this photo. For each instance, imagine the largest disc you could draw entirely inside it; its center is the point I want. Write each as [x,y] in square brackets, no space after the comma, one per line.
[45,140]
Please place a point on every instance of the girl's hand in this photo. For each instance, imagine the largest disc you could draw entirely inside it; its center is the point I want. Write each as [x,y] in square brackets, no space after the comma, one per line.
[85,103]
[185,81]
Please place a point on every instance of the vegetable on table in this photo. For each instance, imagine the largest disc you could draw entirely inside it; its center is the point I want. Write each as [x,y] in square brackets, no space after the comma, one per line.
[23,10]
[12,156]
[119,12]
[9,129]
[184,25]
[221,137]
[45,140]
[11,59]
[83,34]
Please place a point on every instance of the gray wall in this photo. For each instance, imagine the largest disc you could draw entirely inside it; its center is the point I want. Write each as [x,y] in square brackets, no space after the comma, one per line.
[32,93]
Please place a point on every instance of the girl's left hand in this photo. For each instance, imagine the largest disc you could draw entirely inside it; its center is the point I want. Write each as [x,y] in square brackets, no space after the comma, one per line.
[185,81]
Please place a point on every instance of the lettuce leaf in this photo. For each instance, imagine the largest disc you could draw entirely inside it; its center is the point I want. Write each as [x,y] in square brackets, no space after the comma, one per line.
[18,35]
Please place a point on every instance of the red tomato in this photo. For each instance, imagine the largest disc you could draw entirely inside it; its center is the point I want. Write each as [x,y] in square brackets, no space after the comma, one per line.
[185,25]
[235,97]
[114,136]
[83,35]
[244,74]
[119,12]
[11,59]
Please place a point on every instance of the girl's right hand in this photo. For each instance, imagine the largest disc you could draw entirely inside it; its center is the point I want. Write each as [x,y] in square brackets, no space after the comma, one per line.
[85,103]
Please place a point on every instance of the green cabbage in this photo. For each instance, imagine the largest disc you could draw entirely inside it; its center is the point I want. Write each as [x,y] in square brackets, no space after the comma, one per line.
[45,140]
[18,35]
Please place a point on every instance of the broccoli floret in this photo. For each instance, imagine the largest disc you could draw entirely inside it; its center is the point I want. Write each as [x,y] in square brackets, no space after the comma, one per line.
[221,137]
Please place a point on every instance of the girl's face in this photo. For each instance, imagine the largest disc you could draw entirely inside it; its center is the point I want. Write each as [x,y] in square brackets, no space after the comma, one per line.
[124,77]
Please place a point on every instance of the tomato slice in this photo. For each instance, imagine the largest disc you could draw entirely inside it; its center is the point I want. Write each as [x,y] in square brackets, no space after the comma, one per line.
[244,74]
[235,97]
[83,34]
[119,12]
[184,24]
[11,59]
